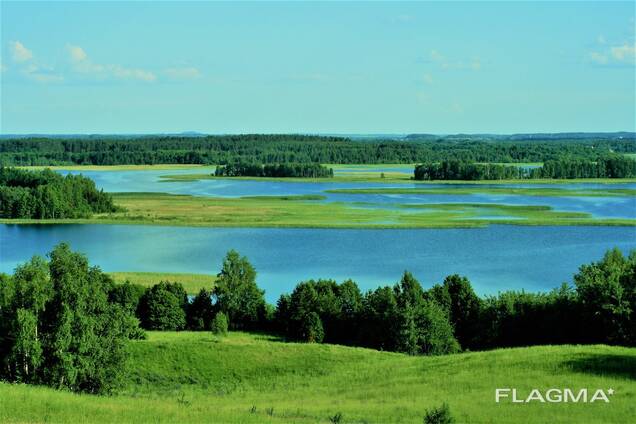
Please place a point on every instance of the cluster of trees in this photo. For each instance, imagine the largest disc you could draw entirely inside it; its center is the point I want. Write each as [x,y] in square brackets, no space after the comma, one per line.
[289,148]
[613,166]
[46,194]
[234,302]
[460,170]
[609,167]
[66,324]
[58,328]
[288,170]
[448,317]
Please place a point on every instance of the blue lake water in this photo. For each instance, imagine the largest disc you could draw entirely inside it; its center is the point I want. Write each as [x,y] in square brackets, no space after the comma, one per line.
[495,258]
[151,181]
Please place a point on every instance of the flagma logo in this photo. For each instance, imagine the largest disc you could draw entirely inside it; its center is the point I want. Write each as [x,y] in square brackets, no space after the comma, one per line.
[553,395]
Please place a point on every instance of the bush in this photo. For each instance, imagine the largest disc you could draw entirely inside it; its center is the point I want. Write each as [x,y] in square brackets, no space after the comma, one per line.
[162,307]
[312,329]
[439,415]
[219,324]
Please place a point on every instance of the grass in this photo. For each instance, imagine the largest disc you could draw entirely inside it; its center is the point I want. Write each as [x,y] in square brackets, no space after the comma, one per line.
[195,377]
[289,211]
[525,191]
[191,282]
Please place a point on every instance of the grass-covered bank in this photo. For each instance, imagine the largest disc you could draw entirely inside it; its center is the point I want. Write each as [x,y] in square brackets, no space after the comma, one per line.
[196,377]
[192,283]
[304,212]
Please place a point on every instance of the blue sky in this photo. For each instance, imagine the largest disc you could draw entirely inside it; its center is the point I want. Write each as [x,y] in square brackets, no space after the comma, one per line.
[142,67]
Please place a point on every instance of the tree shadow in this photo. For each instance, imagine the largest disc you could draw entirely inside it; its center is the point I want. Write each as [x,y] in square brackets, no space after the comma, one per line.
[621,366]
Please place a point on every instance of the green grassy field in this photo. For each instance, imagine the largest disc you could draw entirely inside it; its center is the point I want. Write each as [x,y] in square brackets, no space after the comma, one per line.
[243,378]
[191,282]
[292,211]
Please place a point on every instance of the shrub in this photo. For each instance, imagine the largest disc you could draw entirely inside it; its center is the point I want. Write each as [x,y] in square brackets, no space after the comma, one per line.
[439,415]
[219,324]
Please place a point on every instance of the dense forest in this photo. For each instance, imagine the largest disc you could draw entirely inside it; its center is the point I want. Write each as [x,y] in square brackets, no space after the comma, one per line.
[49,195]
[65,324]
[273,149]
[286,170]
[612,166]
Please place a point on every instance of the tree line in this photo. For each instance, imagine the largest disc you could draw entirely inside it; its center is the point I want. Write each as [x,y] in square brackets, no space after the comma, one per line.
[285,170]
[49,195]
[65,324]
[614,166]
[290,148]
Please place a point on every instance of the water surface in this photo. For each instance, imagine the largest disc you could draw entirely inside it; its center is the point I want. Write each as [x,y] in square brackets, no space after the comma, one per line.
[494,258]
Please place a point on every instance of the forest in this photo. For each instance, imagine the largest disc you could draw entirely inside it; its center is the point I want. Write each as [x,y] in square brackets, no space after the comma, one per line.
[65,324]
[612,166]
[289,148]
[285,170]
[49,195]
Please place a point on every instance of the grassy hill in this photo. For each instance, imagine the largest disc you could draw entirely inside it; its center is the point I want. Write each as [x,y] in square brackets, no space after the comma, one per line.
[195,377]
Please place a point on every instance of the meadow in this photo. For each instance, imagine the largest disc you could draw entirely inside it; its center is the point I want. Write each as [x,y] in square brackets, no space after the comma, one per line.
[192,283]
[251,378]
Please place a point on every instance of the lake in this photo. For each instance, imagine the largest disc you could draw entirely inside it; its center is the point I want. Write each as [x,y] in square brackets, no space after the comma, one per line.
[494,258]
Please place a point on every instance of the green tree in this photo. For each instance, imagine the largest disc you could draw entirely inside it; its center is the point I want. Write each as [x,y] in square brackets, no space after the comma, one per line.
[219,324]
[236,293]
[161,309]
[606,291]
[311,328]
[200,311]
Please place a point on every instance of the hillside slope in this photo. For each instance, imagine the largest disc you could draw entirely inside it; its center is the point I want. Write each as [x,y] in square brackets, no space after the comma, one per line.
[195,377]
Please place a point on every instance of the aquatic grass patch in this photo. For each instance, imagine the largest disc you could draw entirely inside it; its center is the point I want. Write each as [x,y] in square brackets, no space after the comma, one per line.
[507,191]
[280,212]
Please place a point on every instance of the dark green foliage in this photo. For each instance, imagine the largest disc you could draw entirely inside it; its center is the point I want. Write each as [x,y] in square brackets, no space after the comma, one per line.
[290,148]
[463,306]
[460,170]
[610,166]
[236,293]
[219,325]
[48,195]
[58,327]
[422,325]
[288,170]
[311,329]
[439,415]
[200,311]
[607,294]
[162,307]
[127,295]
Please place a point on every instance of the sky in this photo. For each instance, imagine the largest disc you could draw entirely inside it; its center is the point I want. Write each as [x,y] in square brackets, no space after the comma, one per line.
[299,67]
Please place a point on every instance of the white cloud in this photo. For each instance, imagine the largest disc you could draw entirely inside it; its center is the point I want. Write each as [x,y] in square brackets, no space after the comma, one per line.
[615,55]
[624,53]
[82,64]
[20,52]
[183,73]
[41,74]
[598,58]
[458,65]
